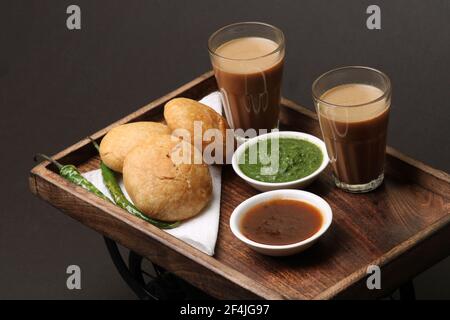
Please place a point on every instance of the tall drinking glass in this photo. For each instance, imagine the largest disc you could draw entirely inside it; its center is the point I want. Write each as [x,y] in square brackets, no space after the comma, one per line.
[248,62]
[353,105]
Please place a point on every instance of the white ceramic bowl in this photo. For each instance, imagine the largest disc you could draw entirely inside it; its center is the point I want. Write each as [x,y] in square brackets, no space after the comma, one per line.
[281,250]
[295,184]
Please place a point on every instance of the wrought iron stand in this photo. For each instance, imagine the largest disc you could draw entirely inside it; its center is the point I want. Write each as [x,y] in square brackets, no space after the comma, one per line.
[163,285]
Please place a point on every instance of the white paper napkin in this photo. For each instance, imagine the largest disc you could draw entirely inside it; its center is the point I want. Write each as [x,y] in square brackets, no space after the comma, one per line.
[200,231]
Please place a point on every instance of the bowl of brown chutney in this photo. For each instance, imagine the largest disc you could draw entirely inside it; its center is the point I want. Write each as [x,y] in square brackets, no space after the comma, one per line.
[281,222]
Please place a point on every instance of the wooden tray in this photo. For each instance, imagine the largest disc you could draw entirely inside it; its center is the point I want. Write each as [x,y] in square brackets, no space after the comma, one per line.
[403,226]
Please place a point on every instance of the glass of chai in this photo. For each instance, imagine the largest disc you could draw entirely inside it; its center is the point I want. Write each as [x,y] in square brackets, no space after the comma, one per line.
[353,105]
[248,62]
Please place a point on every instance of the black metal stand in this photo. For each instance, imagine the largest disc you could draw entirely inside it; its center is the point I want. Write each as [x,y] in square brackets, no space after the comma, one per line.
[164,285]
[135,283]
[407,291]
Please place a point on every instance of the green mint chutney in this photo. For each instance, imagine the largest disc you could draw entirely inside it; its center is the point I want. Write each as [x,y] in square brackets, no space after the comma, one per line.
[297,159]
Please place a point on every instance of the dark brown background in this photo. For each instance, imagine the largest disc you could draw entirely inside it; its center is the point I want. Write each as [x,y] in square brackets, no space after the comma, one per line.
[58,86]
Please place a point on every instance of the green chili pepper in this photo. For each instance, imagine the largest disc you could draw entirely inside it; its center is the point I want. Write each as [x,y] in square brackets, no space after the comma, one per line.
[71,173]
[110,181]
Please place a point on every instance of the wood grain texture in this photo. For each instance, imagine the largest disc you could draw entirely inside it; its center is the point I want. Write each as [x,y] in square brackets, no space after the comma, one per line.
[404,226]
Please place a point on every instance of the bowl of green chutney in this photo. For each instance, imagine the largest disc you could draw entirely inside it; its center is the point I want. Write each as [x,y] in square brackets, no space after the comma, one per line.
[280,160]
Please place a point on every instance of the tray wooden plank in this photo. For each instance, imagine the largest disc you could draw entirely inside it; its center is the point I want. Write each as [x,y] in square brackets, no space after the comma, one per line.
[404,226]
